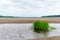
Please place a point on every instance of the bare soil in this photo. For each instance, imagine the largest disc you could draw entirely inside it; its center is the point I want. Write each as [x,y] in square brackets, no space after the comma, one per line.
[28,20]
[49,38]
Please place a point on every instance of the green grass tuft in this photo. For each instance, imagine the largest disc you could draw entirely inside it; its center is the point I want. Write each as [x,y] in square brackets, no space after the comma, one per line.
[40,26]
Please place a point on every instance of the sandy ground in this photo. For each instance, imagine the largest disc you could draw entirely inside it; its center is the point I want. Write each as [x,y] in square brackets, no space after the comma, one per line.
[28,20]
[50,38]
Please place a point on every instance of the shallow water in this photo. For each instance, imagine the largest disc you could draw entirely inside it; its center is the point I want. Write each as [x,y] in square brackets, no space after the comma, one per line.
[23,31]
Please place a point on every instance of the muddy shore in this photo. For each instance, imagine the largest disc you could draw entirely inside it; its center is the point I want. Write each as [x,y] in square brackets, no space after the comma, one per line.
[28,20]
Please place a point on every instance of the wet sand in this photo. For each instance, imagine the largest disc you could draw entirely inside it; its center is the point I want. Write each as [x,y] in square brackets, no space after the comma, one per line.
[29,20]
[49,38]
[7,34]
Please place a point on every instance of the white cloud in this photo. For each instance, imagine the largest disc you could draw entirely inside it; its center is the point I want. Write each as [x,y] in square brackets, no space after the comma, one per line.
[29,7]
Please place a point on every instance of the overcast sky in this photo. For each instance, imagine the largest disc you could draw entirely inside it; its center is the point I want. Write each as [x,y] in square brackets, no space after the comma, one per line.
[29,8]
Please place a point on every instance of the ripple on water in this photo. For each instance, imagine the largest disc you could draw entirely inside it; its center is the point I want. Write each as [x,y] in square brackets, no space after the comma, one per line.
[23,32]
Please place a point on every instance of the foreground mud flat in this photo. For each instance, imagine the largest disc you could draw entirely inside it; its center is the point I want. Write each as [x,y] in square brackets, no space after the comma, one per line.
[23,32]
